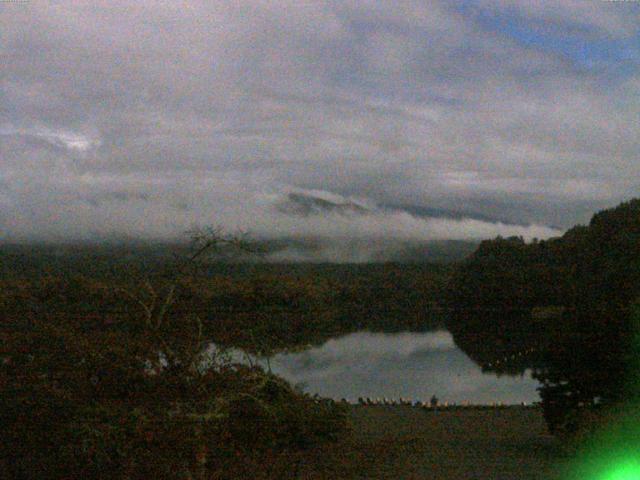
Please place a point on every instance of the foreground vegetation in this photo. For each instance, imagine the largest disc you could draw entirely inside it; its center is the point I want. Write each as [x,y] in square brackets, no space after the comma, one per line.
[107,381]
[107,370]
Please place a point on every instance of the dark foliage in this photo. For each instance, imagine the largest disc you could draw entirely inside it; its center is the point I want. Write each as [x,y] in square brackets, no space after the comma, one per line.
[106,380]
[257,306]
[566,303]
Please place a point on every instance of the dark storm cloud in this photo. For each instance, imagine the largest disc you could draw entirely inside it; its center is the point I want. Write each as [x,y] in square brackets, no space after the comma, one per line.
[146,117]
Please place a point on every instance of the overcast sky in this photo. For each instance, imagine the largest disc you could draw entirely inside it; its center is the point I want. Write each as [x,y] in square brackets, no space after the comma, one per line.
[146,117]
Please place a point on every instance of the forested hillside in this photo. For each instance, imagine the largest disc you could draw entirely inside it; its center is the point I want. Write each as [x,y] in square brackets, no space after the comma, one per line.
[563,307]
[282,305]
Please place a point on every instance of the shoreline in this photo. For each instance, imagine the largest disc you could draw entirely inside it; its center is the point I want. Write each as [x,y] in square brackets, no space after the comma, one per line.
[403,442]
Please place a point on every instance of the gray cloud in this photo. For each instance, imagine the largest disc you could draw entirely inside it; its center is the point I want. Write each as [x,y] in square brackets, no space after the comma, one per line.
[144,118]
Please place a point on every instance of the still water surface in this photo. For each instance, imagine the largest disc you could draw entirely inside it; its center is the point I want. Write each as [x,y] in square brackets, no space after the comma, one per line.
[410,365]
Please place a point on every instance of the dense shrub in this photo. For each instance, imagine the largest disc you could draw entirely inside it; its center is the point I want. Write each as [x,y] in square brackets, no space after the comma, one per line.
[105,381]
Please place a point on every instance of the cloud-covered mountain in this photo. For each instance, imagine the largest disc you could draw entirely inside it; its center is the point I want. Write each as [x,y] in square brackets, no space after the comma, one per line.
[325,226]
[293,224]
[300,203]
[318,202]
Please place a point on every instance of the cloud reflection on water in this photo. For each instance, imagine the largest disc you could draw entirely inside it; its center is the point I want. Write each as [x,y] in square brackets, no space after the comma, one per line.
[410,365]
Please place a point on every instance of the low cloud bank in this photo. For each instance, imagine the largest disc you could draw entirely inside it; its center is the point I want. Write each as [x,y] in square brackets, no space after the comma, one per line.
[333,230]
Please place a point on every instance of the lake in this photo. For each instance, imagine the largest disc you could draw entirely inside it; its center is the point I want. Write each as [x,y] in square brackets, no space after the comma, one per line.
[409,365]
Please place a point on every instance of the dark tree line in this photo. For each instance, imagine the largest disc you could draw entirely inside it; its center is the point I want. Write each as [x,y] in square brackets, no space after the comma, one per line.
[567,302]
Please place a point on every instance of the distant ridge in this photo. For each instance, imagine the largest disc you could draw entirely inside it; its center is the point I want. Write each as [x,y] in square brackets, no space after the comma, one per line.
[306,204]
[433,212]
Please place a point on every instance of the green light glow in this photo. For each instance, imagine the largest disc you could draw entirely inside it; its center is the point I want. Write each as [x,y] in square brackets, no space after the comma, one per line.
[612,452]
[629,470]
